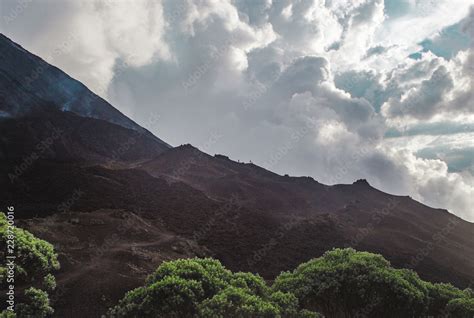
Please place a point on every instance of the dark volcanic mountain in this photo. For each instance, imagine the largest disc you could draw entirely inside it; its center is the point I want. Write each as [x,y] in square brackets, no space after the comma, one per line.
[28,84]
[116,201]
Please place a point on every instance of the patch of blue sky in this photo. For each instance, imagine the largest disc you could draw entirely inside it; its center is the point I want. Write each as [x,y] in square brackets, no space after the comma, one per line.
[446,43]
[415,56]
[431,129]
[363,84]
[458,160]
[396,8]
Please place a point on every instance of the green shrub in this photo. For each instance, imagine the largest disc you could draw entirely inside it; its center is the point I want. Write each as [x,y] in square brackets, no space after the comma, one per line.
[234,302]
[37,304]
[347,283]
[439,296]
[35,258]
[49,282]
[204,288]
[7,314]
[341,283]
[460,308]
[35,261]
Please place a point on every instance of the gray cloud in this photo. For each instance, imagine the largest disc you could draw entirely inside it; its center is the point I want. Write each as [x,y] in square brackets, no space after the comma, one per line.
[425,100]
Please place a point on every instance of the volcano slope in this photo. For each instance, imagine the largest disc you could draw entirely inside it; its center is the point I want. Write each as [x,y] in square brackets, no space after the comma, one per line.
[113,225]
[117,201]
[308,217]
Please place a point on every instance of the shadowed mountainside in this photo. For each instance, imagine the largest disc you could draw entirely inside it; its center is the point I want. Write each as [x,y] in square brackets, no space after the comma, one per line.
[27,83]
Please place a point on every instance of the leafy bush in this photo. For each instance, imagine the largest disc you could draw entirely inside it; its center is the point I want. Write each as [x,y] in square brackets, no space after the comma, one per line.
[439,295]
[37,304]
[7,314]
[237,302]
[341,283]
[204,288]
[35,262]
[49,282]
[35,258]
[347,283]
[460,308]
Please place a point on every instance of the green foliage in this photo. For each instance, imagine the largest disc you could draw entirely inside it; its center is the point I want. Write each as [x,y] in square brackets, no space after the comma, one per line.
[341,283]
[175,289]
[286,302]
[7,314]
[35,258]
[253,284]
[49,282]
[237,302]
[35,261]
[289,306]
[469,292]
[460,308]
[210,274]
[439,296]
[204,288]
[347,283]
[170,297]
[37,304]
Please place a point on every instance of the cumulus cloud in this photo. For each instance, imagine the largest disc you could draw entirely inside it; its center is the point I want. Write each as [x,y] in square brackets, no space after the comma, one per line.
[434,85]
[90,36]
[432,184]
[424,100]
[301,87]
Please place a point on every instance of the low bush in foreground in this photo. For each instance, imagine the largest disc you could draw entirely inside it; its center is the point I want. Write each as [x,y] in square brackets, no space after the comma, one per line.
[347,283]
[204,288]
[35,262]
[341,283]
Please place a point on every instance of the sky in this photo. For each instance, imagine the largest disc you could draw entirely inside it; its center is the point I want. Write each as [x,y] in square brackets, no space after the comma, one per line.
[336,90]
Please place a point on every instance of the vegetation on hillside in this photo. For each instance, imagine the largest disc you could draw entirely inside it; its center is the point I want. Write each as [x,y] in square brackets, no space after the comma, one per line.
[341,283]
[34,264]
[205,288]
[347,283]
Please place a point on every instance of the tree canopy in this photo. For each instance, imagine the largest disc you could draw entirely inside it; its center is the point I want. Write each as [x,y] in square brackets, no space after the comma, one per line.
[204,288]
[347,283]
[35,263]
[341,283]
